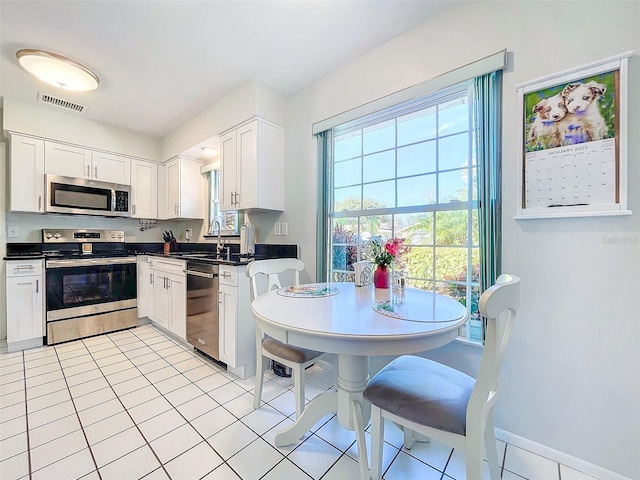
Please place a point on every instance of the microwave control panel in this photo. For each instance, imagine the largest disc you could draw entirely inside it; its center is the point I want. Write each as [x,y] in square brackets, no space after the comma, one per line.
[122,201]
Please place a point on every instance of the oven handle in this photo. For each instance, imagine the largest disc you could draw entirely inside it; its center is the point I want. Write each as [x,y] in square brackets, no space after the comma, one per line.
[90,262]
[200,274]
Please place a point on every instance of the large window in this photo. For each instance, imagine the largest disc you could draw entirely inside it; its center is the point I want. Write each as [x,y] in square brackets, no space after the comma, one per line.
[409,172]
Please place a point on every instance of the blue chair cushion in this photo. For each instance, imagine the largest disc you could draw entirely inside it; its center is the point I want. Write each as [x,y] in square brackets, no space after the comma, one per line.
[424,392]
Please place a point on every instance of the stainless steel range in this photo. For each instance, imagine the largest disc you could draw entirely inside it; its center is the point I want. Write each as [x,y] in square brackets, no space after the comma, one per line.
[90,283]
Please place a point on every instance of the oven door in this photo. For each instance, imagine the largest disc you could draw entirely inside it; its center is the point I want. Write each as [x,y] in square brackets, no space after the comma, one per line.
[84,287]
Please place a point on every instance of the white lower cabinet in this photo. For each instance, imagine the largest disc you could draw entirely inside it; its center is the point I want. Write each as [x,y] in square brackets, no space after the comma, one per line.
[237,325]
[143,276]
[168,295]
[25,304]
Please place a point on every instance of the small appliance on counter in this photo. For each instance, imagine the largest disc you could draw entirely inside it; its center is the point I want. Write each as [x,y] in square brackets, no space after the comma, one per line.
[247,240]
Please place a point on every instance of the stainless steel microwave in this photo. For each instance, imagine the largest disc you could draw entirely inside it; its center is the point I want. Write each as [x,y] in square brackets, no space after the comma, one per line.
[80,196]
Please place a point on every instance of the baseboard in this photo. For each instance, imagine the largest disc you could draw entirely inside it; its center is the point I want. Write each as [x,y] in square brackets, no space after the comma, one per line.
[558,456]
[24,344]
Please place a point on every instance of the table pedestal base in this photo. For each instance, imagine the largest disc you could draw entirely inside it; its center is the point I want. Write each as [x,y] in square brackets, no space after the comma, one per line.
[353,375]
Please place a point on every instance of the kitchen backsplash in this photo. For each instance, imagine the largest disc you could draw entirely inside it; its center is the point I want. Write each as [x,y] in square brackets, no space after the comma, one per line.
[30,227]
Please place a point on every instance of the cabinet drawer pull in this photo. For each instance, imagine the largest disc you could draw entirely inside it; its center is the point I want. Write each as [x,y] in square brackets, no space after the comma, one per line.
[23,267]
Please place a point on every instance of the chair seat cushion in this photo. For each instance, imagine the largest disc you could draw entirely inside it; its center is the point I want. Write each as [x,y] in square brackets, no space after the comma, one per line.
[288,352]
[424,392]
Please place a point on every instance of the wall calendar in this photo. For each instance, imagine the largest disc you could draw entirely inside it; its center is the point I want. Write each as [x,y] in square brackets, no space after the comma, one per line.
[573,142]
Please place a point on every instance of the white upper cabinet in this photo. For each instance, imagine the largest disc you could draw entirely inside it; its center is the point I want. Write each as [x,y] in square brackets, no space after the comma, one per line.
[26,174]
[79,162]
[252,167]
[181,189]
[67,160]
[144,189]
[109,167]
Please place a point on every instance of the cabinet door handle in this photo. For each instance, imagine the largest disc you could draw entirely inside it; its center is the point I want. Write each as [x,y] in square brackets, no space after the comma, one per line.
[95,171]
[151,278]
[88,171]
[37,286]
[39,202]
[133,207]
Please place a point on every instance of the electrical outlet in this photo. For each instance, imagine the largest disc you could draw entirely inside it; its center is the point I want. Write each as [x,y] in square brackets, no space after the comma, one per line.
[13,232]
[284,229]
[276,229]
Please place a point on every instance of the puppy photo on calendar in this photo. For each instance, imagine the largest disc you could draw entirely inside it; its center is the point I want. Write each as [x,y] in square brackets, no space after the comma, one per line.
[570,113]
[582,103]
[547,128]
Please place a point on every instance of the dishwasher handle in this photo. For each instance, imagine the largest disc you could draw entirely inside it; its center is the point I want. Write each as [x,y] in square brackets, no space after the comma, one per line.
[200,274]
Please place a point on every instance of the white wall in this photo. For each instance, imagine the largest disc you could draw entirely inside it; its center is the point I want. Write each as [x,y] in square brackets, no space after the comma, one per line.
[571,381]
[248,100]
[49,122]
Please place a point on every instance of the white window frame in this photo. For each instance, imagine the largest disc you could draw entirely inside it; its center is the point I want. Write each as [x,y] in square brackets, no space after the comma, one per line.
[474,333]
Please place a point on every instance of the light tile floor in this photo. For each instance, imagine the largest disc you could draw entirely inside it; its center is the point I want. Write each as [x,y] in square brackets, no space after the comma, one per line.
[137,404]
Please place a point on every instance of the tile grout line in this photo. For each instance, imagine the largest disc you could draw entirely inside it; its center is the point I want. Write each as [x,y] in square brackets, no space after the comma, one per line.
[26,412]
[185,419]
[95,463]
[163,396]
[125,409]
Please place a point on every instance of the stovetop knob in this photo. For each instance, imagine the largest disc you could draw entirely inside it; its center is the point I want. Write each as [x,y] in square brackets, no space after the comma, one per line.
[48,235]
[57,235]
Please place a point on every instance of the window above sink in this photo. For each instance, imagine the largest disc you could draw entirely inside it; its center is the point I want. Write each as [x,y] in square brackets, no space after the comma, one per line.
[229,222]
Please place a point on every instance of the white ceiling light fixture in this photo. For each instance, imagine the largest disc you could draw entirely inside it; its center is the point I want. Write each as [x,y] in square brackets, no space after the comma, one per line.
[57,70]
[209,151]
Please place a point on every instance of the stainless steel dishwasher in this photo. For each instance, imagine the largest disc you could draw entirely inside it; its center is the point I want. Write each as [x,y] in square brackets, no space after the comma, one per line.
[203,331]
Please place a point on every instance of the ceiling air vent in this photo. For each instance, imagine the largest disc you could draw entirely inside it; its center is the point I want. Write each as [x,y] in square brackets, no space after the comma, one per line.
[59,102]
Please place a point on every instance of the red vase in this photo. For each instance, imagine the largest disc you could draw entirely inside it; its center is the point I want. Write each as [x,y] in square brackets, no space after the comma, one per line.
[381,277]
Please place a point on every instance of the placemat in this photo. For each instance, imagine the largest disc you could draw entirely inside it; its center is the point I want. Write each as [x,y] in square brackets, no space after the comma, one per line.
[410,310]
[309,290]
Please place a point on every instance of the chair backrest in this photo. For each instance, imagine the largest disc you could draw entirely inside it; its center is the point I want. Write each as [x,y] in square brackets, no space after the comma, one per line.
[272,269]
[498,304]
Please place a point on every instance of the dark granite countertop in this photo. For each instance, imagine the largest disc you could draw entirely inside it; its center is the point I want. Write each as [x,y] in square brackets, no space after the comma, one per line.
[186,251]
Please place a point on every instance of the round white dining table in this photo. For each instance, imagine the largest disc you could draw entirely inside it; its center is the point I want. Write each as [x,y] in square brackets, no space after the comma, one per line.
[345,323]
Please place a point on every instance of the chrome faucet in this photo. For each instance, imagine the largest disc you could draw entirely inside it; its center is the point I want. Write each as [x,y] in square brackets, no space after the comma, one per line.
[220,244]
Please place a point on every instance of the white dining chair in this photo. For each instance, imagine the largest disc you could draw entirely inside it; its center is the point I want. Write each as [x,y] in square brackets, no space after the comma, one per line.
[298,359]
[442,403]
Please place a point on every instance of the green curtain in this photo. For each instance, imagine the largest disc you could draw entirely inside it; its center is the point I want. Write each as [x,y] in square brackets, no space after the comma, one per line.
[323,225]
[487,91]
